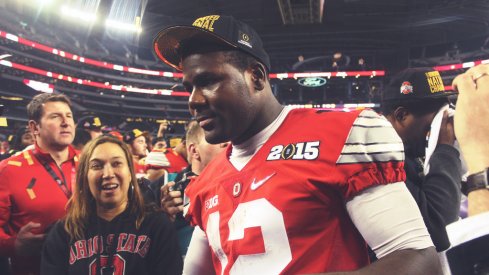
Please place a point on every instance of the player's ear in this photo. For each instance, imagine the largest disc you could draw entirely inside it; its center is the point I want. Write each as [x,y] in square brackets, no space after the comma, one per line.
[224,144]
[401,114]
[33,127]
[258,76]
[193,151]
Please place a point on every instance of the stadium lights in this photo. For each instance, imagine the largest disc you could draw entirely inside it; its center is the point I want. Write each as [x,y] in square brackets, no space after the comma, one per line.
[44,2]
[39,86]
[122,26]
[74,14]
[110,66]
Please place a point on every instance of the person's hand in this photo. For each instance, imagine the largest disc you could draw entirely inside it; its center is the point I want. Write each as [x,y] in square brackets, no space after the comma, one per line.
[162,128]
[28,243]
[171,201]
[471,115]
[447,133]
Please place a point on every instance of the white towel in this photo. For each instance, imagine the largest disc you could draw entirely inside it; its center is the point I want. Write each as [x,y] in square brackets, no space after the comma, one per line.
[433,140]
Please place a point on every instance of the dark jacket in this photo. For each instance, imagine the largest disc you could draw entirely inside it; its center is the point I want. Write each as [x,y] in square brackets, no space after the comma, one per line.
[183,227]
[437,193]
[151,249]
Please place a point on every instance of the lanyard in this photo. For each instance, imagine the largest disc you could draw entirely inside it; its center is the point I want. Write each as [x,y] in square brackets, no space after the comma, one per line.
[61,183]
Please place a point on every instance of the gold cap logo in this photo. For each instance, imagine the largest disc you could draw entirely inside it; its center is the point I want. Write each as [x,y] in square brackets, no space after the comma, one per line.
[96,121]
[206,22]
[435,82]
[137,132]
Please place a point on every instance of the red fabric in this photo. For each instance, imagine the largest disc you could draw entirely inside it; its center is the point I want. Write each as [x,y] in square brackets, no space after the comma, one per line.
[299,208]
[17,207]
[177,162]
[139,167]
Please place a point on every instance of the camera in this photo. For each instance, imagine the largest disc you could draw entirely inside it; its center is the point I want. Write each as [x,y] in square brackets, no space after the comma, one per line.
[182,183]
[170,128]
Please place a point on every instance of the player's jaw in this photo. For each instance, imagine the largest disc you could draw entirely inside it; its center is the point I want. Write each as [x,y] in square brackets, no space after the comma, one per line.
[65,137]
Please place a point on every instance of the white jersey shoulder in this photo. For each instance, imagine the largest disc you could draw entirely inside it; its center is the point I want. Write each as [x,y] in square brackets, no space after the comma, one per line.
[371,139]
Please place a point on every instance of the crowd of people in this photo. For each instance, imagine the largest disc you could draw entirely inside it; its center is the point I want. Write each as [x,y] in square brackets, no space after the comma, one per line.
[254,187]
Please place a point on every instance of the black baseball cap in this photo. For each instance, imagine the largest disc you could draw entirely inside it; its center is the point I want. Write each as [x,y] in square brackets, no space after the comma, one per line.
[222,29]
[89,123]
[132,135]
[416,84]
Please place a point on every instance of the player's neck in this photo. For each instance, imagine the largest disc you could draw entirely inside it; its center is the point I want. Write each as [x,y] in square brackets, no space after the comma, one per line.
[136,158]
[196,169]
[59,154]
[267,116]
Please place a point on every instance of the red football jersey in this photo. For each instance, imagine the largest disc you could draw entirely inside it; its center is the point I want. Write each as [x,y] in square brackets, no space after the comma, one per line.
[177,162]
[285,211]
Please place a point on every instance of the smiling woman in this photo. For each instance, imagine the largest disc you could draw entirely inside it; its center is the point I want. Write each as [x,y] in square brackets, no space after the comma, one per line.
[108,228]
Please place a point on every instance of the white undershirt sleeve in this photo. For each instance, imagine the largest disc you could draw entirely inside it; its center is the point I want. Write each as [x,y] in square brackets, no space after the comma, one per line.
[389,219]
[198,259]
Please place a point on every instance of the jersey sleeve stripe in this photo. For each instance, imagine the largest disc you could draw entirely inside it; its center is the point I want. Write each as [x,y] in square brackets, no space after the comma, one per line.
[369,149]
[376,116]
[372,122]
[361,135]
[367,158]
[371,143]
[369,126]
[371,139]
[372,153]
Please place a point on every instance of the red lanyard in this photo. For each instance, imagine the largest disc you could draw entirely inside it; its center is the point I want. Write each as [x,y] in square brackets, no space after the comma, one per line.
[61,183]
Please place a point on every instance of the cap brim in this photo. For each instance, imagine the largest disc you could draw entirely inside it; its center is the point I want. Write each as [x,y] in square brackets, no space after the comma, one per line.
[444,94]
[417,98]
[167,42]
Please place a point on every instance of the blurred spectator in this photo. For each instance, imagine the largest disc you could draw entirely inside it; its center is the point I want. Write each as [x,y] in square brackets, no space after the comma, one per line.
[472,131]
[4,148]
[138,147]
[361,64]
[156,161]
[156,164]
[340,62]
[410,103]
[453,53]
[36,185]
[470,236]
[20,141]
[160,143]
[164,160]
[149,141]
[82,137]
[165,128]
[296,66]
[116,134]
[200,153]
[4,261]
[177,160]
[92,124]
[108,209]
[181,148]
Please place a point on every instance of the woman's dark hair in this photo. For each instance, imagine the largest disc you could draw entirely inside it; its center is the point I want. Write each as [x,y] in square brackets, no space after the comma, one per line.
[82,205]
